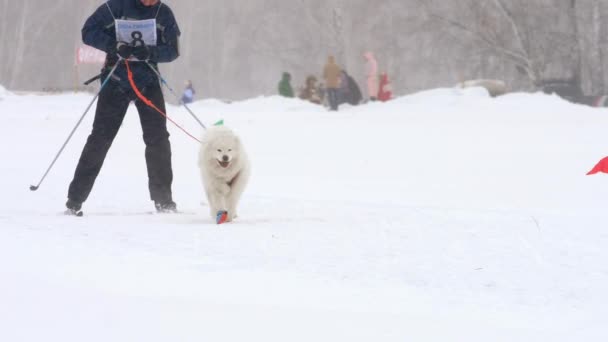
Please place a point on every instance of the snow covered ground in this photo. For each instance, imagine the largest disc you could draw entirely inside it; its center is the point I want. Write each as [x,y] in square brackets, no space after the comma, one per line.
[441,216]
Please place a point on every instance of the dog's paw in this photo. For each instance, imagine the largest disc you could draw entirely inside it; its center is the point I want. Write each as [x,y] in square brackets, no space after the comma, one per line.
[231,215]
[222,217]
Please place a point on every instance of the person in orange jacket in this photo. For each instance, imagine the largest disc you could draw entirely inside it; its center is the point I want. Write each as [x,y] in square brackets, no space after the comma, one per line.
[331,74]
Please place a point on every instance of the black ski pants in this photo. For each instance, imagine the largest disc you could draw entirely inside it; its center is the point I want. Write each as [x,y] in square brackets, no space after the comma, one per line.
[111,109]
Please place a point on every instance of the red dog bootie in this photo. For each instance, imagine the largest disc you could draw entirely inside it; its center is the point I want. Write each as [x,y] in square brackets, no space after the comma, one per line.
[222,217]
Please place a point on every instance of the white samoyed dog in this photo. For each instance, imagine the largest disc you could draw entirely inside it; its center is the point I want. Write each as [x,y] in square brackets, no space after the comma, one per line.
[225,171]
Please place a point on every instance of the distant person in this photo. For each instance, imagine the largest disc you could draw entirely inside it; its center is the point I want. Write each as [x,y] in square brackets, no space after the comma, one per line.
[343,89]
[371,71]
[355,92]
[331,74]
[310,91]
[349,91]
[285,88]
[386,90]
[356,96]
[188,96]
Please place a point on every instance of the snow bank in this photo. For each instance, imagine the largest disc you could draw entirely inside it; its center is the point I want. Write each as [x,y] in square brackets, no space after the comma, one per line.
[277,104]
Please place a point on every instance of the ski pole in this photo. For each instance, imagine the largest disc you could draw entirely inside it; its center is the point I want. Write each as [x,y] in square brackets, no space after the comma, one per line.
[35,187]
[93,79]
[162,80]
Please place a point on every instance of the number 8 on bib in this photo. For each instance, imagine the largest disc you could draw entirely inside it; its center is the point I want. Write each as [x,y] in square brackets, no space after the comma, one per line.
[136,32]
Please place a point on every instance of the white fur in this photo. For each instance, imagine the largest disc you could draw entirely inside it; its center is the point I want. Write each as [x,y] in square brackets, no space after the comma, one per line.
[223,185]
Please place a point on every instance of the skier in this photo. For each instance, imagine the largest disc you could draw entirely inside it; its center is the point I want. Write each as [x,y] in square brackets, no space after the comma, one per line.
[144,32]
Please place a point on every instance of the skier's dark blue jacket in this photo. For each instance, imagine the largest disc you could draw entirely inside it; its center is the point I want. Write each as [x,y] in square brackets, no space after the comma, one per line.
[99,32]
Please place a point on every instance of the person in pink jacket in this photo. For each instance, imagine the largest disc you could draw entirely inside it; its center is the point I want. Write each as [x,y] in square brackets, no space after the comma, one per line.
[371,68]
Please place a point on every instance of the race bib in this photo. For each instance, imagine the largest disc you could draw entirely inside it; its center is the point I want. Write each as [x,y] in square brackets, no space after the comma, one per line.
[136,32]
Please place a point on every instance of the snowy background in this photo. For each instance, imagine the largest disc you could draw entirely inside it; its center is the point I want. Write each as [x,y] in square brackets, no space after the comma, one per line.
[441,216]
[235,49]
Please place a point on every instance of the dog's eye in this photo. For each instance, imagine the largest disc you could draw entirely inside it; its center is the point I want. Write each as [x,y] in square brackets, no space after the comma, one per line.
[229,150]
[220,151]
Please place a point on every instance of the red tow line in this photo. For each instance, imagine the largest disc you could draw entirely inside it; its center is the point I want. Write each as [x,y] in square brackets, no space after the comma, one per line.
[151,105]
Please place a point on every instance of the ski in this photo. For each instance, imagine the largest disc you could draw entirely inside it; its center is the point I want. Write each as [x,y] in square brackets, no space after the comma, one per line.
[171,213]
[129,214]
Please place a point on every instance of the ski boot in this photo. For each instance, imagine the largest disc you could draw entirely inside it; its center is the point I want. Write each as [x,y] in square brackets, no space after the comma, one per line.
[168,207]
[73,208]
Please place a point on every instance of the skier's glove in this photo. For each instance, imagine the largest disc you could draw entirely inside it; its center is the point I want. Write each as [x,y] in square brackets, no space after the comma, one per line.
[124,50]
[142,52]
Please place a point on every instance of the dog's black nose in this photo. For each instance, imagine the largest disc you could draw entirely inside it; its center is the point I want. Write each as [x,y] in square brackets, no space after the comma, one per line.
[225,158]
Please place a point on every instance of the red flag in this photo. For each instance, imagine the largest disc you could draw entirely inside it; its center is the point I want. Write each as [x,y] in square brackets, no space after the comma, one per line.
[602,166]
